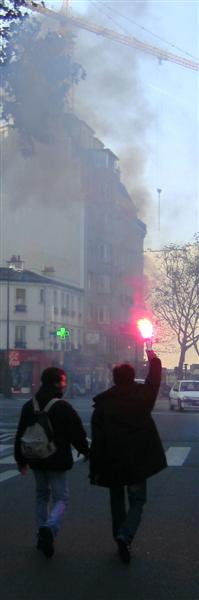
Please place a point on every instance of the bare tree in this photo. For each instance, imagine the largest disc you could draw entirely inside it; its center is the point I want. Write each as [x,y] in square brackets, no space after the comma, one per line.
[176,298]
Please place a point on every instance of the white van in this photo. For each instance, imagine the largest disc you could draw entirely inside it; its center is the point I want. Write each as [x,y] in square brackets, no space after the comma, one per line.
[184,394]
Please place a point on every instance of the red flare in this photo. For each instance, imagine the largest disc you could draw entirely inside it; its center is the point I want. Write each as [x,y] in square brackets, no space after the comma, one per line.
[145,328]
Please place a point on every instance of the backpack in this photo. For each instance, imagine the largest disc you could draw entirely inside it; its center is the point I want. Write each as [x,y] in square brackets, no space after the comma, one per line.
[37,441]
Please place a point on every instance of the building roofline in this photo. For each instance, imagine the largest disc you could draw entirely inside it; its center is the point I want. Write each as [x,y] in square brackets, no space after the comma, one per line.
[27,276]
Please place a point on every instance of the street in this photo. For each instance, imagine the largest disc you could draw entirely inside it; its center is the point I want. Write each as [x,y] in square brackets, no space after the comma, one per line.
[86,564]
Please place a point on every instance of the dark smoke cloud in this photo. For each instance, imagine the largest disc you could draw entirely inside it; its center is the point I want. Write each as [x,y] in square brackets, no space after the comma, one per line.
[112,99]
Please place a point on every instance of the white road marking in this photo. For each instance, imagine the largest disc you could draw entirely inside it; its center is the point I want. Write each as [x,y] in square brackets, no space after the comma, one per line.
[7,460]
[8,475]
[176,455]
[4,447]
[10,460]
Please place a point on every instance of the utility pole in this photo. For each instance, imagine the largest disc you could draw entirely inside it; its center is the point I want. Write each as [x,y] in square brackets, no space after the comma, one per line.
[15,264]
[159,192]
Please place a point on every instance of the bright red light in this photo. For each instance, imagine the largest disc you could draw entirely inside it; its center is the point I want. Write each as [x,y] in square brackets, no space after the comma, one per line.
[145,327]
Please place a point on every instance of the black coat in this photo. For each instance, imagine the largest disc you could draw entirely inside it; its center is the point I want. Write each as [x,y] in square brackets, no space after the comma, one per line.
[67,430]
[126,447]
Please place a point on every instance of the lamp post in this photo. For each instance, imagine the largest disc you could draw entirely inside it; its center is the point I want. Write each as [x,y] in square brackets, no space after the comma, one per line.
[7,381]
[159,192]
[15,264]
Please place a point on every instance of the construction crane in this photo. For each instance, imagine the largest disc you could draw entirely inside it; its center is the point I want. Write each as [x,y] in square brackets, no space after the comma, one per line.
[65,18]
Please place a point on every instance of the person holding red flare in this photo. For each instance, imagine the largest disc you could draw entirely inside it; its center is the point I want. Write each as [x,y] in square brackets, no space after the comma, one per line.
[126,448]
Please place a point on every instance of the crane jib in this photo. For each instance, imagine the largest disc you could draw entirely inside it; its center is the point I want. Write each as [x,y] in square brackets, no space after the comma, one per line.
[159,53]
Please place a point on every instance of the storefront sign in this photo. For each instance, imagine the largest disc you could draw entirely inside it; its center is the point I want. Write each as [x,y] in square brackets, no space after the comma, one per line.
[14,360]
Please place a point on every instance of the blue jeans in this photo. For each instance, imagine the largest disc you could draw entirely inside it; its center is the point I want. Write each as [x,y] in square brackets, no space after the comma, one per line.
[125,523]
[52,496]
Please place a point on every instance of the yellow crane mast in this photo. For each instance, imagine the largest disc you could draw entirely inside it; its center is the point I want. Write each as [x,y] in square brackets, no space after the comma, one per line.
[65,17]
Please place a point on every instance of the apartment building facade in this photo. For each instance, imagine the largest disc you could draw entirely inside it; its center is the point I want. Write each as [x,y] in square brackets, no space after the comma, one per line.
[113,252]
[42,323]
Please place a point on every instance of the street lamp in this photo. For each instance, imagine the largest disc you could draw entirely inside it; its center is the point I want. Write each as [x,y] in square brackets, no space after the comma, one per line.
[15,264]
[159,192]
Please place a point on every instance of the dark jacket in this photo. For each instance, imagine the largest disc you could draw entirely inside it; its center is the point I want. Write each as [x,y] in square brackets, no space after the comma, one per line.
[126,447]
[67,430]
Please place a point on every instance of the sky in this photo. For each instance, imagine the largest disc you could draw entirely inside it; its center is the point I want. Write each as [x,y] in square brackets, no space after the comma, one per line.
[146,111]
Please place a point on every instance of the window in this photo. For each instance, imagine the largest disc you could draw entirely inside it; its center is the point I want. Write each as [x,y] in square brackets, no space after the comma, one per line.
[176,387]
[20,305]
[90,312]
[41,296]
[41,337]
[79,334]
[63,300]
[72,312]
[72,337]
[20,296]
[105,252]
[55,302]
[189,386]
[104,314]
[20,336]
[104,283]
[67,303]
[90,280]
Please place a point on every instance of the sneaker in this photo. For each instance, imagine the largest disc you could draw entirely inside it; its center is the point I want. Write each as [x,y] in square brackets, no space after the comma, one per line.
[45,541]
[124,551]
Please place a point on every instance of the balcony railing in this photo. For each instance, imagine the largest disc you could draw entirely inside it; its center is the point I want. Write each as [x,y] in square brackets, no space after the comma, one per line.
[20,344]
[20,307]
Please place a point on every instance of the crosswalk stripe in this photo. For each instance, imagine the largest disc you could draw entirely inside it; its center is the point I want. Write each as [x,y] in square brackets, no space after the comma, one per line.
[176,455]
[8,475]
[4,447]
[7,460]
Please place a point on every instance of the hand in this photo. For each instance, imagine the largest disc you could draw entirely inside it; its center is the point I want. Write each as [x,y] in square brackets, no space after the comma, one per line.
[86,456]
[23,469]
[151,354]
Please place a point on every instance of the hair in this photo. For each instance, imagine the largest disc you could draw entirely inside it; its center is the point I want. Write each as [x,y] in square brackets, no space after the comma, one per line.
[52,376]
[123,374]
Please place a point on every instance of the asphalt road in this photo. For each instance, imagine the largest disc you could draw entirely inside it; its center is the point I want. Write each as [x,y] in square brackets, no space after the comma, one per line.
[86,565]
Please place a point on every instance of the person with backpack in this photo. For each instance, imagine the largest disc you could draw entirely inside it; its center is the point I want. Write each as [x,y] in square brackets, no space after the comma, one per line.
[126,448]
[47,428]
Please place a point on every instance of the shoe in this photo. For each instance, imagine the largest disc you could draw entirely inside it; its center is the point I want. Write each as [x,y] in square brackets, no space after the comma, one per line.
[124,551]
[45,541]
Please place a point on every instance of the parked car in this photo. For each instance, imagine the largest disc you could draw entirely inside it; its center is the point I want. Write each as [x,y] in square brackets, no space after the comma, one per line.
[184,394]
